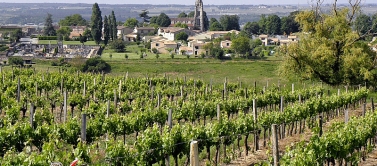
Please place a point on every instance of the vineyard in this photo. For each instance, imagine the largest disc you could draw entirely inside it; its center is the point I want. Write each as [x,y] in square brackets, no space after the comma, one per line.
[57,117]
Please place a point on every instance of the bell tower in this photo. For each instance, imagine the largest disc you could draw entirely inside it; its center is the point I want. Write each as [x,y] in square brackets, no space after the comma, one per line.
[198,16]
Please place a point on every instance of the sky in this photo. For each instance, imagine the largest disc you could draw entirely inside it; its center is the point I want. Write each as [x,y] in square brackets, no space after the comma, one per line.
[185,2]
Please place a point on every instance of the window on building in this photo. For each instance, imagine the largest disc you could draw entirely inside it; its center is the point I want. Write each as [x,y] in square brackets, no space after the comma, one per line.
[157,44]
[141,31]
[227,44]
[196,47]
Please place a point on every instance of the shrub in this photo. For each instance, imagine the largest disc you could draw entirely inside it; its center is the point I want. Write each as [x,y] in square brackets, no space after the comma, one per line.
[16,61]
[96,64]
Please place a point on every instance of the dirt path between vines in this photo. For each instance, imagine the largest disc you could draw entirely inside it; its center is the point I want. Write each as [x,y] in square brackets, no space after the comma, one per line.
[265,152]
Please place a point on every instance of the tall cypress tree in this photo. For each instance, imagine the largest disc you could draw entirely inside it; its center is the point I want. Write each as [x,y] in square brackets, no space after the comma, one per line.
[106,30]
[49,29]
[110,23]
[96,23]
[114,26]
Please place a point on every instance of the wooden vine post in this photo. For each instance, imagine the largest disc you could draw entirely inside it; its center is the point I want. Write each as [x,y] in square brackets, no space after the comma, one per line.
[83,128]
[194,153]
[256,132]
[275,146]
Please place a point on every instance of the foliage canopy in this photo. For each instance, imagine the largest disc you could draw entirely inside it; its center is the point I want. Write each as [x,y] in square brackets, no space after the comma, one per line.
[329,50]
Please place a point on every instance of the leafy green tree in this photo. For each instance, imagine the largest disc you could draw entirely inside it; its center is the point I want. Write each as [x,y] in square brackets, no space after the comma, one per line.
[73,20]
[329,50]
[113,26]
[205,21]
[106,30]
[118,45]
[110,23]
[262,24]
[363,23]
[289,25]
[88,34]
[255,43]
[163,20]
[191,14]
[96,65]
[64,31]
[215,25]
[131,23]
[153,20]
[18,61]
[16,35]
[96,23]
[49,30]
[144,15]
[241,45]
[273,24]
[230,22]
[181,25]
[251,28]
[82,39]
[182,15]
[181,36]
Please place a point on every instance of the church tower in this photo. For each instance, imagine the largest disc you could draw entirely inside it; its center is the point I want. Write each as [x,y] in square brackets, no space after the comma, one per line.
[198,16]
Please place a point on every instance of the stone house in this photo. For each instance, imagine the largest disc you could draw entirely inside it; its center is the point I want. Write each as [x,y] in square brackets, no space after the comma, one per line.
[138,31]
[171,32]
[163,44]
[76,31]
[226,44]
[122,31]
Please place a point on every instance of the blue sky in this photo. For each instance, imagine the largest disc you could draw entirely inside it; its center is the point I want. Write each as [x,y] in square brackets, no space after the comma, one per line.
[186,2]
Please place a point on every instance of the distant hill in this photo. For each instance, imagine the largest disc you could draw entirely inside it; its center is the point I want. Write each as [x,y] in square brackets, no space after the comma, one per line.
[18,13]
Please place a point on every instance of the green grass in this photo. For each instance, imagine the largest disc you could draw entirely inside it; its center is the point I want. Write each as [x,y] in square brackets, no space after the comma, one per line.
[66,42]
[246,71]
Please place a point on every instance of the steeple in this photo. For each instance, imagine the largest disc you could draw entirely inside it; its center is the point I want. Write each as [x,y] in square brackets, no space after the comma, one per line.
[198,16]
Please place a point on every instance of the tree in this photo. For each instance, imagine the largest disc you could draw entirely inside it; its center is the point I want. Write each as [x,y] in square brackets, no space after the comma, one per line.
[363,23]
[131,23]
[230,22]
[65,32]
[205,21]
[181,25]
[96,65]
[18,61]
[251,28]
[289,25]
[273,24]
[113,26]
[144,15]
[16,35]
[110,23]
[153,20]
[49,28]
[215,25]
[181,36]
[88,34]
[82,39]
[118,45]
[241,45]
[191,14]
[163,20]
[106,30]
[262,24]
[96,23]
[73,20]
[329,50]
[182,15]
